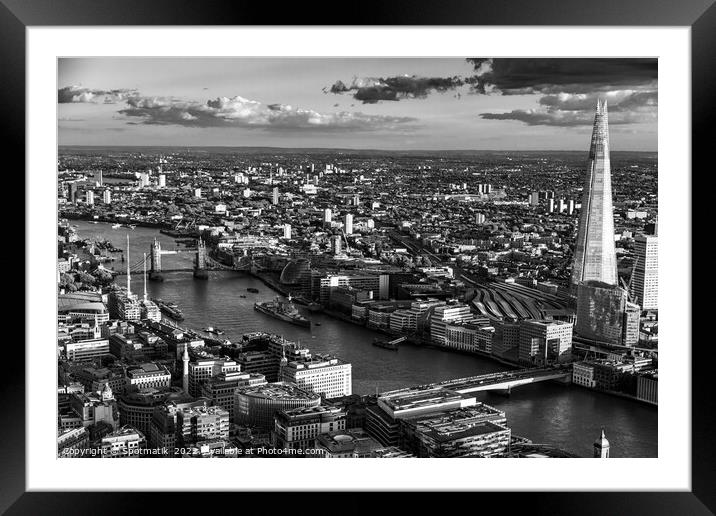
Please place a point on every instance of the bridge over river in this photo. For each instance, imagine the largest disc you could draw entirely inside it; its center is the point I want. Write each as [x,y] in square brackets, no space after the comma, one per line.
[506,380]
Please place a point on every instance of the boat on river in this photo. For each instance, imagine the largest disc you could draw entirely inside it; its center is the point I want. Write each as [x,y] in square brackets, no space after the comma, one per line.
[283,310]
[170,309]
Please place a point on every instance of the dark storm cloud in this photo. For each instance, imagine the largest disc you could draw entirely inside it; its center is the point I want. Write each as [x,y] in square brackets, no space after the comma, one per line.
[372,90]
[241,112]
[551,76]
[78,94]
[570,88]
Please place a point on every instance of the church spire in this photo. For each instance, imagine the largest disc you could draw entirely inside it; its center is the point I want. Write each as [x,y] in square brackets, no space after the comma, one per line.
[601,447]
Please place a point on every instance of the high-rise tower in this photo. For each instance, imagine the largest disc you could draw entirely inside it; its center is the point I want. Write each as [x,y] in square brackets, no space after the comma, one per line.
[185,369]
[594,256]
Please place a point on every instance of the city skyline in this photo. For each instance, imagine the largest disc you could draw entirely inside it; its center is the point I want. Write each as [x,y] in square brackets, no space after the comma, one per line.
[355,103]
[362,304]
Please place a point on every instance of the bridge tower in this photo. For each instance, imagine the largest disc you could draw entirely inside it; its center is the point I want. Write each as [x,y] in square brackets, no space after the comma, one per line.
[200,265]
[156,254]
[200,254]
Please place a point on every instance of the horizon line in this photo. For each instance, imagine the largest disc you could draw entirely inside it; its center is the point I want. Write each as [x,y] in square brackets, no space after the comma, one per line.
[340,148]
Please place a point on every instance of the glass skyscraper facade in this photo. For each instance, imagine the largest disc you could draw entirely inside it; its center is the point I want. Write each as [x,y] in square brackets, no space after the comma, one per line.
[594,256]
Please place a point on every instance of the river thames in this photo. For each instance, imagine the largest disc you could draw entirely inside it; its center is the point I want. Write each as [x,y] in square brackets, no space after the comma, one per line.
[568,417]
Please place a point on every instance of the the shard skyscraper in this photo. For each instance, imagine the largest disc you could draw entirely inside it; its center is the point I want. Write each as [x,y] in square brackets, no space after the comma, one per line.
[594,256]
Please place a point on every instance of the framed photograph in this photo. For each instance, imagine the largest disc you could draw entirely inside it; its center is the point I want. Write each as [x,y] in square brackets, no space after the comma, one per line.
[431,233]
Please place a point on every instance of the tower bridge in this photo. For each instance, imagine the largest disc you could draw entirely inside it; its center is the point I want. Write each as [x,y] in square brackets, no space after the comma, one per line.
[156,253]
[202,261]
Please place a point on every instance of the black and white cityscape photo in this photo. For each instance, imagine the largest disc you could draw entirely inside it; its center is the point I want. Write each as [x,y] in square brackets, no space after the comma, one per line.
[357,257]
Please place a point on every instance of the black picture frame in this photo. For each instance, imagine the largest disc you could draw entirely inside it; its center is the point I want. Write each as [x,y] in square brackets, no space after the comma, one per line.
[700,15]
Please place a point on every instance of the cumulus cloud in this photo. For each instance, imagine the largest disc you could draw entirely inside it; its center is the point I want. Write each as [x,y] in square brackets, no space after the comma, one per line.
[241,112]
[371,90]
[572,109]
[78,94]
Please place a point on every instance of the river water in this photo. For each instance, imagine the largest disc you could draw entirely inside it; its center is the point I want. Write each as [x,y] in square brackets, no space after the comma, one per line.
[565,416]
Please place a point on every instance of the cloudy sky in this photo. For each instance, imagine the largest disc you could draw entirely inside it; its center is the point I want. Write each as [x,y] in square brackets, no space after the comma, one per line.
[370,103]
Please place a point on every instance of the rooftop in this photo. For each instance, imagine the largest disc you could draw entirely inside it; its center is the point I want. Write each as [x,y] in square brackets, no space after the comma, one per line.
[421,396]
[460,431]
[279,390]
[80,301]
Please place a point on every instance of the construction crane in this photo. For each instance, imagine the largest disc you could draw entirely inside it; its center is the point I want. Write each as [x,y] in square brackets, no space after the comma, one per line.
[345,239]
[187,224]
[627,286]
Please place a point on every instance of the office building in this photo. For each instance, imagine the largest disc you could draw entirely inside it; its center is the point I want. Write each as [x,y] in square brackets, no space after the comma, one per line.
[124,305]
[123,442]
[647,387]
[72,439]
[461,434]
[86,350]
[506,341]
[336,245]
[197,423]
[322,374]
[142,346]
[207,367]
[534,199]
[221,389]
[257,406]
[348,223]
[137,408]
[383,421]
[604,314]
[415,431]
[148,375]
[298,428]
[595,256]
[583,374]
[630,324]
[82,306]
[376,282]
[354,443]
[164,430]
[645,278]
[442,315]
[544,342]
